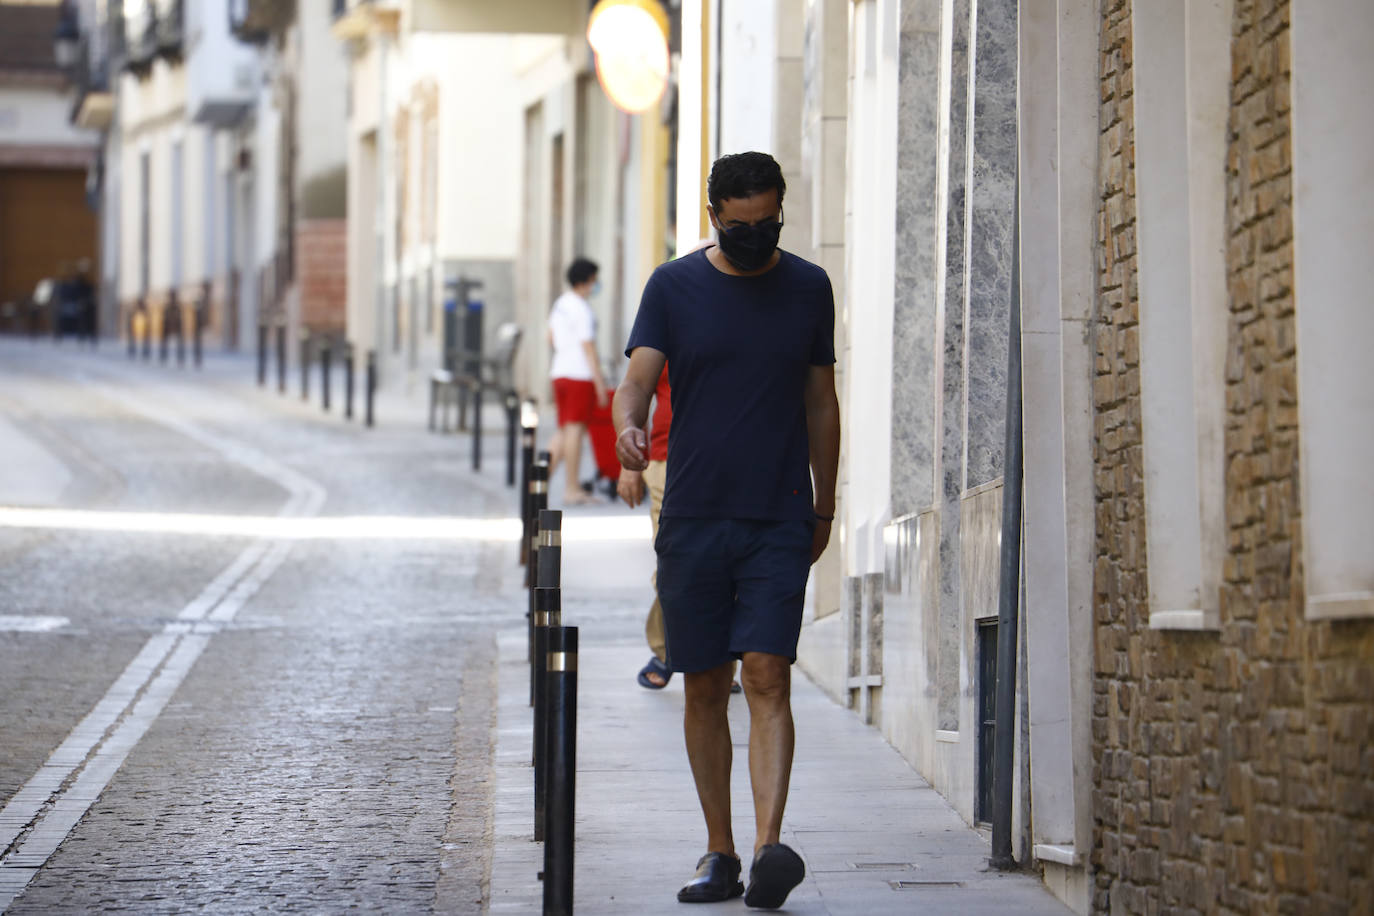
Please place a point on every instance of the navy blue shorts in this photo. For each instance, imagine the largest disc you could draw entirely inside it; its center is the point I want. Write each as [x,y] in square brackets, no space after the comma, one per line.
[731,586]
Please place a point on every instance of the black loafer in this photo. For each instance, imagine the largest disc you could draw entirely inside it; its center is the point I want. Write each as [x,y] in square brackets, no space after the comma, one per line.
[776,870]
[717,879]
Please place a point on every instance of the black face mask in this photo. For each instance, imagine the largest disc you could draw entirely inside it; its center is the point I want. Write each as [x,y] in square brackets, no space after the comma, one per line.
[748,248]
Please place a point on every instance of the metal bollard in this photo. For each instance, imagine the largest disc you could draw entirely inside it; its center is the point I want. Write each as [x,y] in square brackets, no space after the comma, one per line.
[164,332]
[548,612]
[527,434]
[197,350]
[549,559]
[326,358]
[539,498]
[281,359]
[512,423]
[181,341]
[477,425]
[348,381]
[560,759]
[305,367]
[262,356]
[370,384]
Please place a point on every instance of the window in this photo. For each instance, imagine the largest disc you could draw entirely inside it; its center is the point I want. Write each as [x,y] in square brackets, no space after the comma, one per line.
[1333,221]
[178,223]
[144,220]
[1182,98]
[209,222]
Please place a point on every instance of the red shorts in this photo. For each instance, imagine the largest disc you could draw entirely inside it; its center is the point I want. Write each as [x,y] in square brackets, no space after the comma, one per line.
[576,399]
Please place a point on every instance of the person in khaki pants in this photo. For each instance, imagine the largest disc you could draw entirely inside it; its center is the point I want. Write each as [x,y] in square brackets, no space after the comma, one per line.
[632,488]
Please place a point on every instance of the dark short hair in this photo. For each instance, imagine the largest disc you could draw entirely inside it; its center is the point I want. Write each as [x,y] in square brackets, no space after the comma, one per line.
[581,270]
[744,175]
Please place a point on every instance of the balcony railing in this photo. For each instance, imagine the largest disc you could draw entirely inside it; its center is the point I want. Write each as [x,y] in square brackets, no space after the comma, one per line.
[92,103]
[157,30]
[254,21]
[170,29]
[140,41]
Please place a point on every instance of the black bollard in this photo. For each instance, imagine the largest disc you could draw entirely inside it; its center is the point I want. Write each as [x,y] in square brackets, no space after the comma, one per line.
[165,332]
[326,357]
[548,612]
[370,384]
[512,423]
[197,351]
[477,425]
[527,434]
[262,356]
[281,359]
[181,339]
[305,367]
[133,341]
[348,381]
[549,559]
[538,499]
[560,759]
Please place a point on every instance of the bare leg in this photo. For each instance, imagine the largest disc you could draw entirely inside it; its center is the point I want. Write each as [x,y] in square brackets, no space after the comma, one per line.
[767,683]
[707,730]
[572,461]
[555,451]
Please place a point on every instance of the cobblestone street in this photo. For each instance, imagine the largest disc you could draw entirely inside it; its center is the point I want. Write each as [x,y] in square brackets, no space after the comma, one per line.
[292,739]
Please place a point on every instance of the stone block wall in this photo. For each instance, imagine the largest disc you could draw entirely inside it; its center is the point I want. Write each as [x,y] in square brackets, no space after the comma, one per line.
[1232,769]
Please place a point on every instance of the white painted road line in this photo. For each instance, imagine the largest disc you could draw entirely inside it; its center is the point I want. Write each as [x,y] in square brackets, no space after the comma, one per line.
[428,528]
[43,812]
[31,623]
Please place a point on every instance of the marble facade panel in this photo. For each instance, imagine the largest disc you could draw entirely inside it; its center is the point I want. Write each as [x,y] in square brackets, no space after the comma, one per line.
[914,343]
[910,659]
[991,210]
[950,369]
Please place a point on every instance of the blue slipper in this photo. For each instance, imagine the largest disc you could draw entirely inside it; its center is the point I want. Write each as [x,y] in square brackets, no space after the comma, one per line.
[654,667]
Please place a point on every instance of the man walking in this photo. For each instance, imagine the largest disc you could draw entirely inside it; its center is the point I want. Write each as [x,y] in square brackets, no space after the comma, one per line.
[747,331]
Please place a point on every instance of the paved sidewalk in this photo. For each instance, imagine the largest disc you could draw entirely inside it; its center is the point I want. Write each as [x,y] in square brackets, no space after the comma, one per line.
[876,838]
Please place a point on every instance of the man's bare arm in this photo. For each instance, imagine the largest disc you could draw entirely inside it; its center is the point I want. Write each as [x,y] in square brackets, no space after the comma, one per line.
[630,409]
[823,439]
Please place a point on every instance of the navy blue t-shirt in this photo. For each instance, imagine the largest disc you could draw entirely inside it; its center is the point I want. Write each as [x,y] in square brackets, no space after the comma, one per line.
[739,349]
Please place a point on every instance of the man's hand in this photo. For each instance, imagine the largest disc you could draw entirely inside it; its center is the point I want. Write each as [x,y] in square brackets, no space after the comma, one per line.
[819,538]
[630,488]
[632,448]
[602,397]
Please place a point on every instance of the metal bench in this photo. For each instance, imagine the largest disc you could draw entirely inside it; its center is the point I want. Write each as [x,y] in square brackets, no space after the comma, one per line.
[475,376]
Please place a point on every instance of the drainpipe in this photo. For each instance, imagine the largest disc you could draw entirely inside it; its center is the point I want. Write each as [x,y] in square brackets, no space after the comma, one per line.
[1009,599]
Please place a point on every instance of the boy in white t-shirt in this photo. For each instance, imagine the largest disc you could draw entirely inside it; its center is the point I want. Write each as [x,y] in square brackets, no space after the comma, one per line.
[578,387]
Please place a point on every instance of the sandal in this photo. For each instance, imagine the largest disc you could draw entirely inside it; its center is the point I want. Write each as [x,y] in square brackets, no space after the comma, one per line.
[654,667]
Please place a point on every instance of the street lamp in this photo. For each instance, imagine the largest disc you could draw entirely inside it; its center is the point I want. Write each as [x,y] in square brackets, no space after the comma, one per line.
[66,41]
[630,38]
